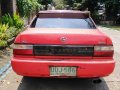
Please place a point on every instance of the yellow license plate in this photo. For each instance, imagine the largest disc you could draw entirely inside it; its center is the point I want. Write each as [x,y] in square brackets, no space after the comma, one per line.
[63,71]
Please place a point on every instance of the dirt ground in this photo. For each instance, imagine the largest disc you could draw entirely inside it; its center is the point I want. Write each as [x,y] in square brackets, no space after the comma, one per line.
[5,56]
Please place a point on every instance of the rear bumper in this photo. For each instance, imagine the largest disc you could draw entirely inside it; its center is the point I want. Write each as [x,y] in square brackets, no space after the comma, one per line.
[86,69]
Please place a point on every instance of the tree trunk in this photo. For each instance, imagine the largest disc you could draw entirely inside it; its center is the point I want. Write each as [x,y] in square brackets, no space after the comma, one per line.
[7,6]
[0,8]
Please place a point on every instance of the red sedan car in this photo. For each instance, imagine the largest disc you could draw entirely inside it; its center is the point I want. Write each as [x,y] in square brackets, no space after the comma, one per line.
[63,44]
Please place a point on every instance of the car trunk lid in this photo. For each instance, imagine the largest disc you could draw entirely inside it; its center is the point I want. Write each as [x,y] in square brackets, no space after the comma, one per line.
[62,43]
[61,36]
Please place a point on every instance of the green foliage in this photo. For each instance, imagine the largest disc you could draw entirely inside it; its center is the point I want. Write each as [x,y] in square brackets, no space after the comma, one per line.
[17,21]
[76,6]
[112,9]
[25,7]
[7,19]
[90,5]
[74,3]
[3,43]
[3,28]
[14,21]
[60,6]
[12,32]
[3,35]
[10,27]
[43,2]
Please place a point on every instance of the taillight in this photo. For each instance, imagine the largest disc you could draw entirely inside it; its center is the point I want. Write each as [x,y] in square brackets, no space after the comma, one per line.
[105,51]
[19,49]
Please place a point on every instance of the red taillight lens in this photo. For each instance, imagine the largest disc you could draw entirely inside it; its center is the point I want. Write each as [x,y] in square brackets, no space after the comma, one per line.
[19,49]
[105,51]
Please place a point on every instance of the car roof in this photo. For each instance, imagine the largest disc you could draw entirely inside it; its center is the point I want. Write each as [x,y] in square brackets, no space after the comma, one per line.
[63,14]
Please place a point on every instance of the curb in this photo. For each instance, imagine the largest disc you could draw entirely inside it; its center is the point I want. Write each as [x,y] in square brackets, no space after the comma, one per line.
[4,69]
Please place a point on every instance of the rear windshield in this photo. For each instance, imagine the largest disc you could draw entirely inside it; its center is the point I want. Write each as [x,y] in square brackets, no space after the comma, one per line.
[64,23]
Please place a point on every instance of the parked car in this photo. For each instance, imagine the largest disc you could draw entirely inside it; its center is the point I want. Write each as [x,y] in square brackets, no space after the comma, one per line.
[63,44]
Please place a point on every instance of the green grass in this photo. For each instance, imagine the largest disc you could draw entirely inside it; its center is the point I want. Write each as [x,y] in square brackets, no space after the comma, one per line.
[114,27]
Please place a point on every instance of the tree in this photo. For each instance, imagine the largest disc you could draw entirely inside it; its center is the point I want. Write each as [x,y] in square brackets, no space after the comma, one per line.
[74,4]
[26,7]
[45,2]
[91,5]
[59,4]
[6,7]
[112,9]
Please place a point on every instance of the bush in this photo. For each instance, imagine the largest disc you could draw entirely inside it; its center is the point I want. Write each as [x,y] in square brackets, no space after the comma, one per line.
[3,43]
[9,28]
[3,35]
[12,32]
[17,21]
[3,28]
[14,21]
[6,19]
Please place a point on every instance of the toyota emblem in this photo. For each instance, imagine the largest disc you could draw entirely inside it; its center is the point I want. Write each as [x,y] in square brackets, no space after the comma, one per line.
[63,39]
